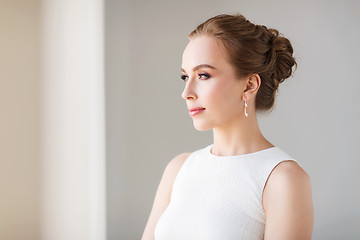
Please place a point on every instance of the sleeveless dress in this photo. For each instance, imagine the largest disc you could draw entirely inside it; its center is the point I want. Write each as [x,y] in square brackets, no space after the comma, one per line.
[219,197]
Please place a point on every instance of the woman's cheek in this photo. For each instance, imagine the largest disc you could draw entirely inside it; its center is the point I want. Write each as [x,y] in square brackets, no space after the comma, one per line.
[217,92]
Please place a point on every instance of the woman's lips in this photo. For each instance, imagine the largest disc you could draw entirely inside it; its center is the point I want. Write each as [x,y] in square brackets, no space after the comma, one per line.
[196,111]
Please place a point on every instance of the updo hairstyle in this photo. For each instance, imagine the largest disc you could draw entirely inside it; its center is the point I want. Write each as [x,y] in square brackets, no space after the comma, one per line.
[252,49]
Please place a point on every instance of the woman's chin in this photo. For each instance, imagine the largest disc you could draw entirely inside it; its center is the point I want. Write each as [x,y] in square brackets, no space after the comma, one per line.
[202,126]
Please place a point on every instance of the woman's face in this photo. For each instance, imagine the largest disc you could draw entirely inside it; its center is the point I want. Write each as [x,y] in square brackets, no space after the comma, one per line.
[210,83]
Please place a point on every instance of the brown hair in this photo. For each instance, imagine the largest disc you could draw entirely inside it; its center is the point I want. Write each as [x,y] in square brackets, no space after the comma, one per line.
[252,49]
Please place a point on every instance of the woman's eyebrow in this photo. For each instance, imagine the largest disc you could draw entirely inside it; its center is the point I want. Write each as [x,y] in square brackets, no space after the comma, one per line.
[200,66]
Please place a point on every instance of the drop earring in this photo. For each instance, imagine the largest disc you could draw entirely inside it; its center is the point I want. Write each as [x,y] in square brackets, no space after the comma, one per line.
[246,114]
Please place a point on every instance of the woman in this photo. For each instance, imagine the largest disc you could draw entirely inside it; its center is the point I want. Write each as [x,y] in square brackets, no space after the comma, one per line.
[241,186]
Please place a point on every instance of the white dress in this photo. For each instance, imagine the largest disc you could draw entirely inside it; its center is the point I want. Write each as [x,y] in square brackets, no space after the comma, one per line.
[219,197]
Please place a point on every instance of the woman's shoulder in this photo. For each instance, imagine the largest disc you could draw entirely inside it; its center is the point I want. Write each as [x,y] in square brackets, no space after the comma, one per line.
[175,164]
[287,199]
[290,180]
[289,170]
[288,174]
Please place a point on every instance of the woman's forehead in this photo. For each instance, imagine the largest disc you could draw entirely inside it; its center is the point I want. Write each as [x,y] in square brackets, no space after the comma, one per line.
[203,50]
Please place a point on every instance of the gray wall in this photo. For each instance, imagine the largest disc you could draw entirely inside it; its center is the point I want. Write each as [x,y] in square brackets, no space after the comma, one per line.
[315,119]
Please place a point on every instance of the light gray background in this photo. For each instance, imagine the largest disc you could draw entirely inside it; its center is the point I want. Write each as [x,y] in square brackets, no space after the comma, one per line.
[316,118]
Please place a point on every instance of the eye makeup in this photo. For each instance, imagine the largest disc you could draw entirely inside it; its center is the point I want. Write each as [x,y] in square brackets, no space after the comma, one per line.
[202,76]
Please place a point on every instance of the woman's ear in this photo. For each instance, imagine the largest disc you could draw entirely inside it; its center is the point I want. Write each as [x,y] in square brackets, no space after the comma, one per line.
[253,83]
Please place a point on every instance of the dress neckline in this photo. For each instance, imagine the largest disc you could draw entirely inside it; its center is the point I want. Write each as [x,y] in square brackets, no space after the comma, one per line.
[245,155]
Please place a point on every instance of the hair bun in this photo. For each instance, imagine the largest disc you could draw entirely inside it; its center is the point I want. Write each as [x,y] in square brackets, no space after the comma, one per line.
[283,51]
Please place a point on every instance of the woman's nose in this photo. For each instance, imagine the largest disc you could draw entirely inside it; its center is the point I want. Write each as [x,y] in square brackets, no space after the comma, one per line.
[189,91]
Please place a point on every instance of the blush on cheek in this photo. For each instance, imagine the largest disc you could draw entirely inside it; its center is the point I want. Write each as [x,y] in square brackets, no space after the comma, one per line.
[218,87]
[218,91]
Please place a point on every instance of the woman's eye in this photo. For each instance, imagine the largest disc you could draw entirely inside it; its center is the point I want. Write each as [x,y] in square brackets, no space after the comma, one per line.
[201,76]
[204,75]
[184,77]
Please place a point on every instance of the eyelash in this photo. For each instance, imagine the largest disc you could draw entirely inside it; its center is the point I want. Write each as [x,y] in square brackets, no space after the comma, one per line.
[183,77]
